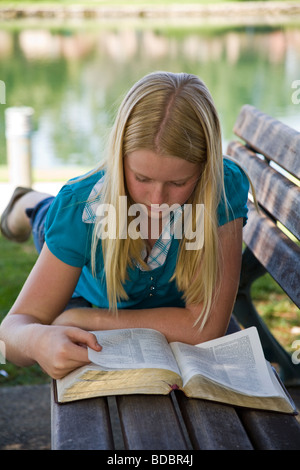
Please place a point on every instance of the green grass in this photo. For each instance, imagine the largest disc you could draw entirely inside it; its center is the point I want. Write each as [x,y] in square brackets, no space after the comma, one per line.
[276,309]
[16,261]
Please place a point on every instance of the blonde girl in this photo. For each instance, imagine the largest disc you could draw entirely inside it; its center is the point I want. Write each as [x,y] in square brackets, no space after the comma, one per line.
[164,150]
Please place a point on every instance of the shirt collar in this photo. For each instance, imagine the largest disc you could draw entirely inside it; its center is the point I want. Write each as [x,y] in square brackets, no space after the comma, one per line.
[90,209]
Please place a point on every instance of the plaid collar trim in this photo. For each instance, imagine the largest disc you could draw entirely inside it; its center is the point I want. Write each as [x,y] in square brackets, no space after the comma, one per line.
[94,200]
[159,251]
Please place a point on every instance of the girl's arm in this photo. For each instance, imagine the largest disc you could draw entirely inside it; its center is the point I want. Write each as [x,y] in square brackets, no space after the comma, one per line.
[177,324]
[27,332]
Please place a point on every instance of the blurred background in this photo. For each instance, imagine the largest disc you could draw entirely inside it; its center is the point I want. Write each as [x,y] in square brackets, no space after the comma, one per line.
[74,76]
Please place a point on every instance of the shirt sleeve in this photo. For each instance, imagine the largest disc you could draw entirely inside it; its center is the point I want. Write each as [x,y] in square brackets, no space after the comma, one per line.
[236,188]
[66,234]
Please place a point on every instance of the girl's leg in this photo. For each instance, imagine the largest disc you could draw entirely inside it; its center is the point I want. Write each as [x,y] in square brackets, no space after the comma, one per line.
[28,213]
[18,222]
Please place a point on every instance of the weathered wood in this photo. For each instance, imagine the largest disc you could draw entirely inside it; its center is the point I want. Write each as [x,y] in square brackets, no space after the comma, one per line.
[275,193]
[277,253]
[81,425]
[213,426]
[246,313]
[278,194]
[271,431]
[270,137]
[150,422]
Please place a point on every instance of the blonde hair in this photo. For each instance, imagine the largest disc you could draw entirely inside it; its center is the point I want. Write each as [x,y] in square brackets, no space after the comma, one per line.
[170,114]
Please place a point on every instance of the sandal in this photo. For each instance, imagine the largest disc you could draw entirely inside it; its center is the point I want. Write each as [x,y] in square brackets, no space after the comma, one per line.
[17,194]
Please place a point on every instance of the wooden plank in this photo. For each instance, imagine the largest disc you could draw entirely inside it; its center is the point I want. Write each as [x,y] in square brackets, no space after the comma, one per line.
[247,315]
[213,426]
[271,431]
[149,422]
[295,394]
[276,252]
[81,425]
[270,137]
[279,196]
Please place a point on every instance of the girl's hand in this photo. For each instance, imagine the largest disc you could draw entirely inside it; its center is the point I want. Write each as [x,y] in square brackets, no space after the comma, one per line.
[60,349]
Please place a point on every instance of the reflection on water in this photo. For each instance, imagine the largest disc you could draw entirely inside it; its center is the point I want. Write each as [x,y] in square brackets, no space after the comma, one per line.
[74,80]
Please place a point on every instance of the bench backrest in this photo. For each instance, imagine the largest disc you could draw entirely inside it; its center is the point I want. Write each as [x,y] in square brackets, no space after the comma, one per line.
[270,154]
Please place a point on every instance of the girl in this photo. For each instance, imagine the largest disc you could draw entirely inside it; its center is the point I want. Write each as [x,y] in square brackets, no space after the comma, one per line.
[165,148]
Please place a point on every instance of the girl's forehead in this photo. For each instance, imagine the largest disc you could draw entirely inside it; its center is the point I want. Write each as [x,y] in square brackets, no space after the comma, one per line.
[154,166]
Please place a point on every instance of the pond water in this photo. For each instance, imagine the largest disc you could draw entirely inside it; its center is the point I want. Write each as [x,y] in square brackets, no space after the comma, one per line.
[75,79]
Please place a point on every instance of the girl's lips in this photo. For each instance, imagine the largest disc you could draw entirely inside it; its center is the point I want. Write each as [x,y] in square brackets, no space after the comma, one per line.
[157,208]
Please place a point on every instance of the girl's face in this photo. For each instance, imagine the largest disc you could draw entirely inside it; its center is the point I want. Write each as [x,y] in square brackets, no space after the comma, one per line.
[156,179]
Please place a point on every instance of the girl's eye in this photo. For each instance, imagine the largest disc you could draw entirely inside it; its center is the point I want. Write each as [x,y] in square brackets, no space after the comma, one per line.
[178,185]
[141,179]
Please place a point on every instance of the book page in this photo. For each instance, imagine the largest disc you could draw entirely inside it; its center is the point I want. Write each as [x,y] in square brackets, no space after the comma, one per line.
[134,348]
[236,361]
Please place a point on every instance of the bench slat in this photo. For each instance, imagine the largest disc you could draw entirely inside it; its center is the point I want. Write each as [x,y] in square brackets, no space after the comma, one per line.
[276,252]
[205,419]
[150,422]
[279,196]
[270,137]
[81,425]
[271,431]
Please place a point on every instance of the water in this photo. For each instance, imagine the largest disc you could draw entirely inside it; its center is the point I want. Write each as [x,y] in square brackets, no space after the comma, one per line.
[75,79]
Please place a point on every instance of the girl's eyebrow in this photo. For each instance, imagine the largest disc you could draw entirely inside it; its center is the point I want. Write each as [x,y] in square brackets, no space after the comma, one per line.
[182,180]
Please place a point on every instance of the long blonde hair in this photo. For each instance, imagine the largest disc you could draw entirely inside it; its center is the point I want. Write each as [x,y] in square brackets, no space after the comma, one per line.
[170,114]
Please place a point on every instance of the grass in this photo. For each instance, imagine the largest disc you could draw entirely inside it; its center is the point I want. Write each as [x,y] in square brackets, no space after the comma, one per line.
[16,261]
[278,312]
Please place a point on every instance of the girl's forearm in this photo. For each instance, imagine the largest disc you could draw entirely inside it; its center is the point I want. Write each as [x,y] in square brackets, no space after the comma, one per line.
[19,332]
[57,349]
[177,324]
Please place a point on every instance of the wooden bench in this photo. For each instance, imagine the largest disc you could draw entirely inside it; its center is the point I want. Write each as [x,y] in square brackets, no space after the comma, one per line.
[271,156]
[175,423]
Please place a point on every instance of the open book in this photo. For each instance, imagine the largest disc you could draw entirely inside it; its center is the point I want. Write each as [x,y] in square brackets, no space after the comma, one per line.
[231,369]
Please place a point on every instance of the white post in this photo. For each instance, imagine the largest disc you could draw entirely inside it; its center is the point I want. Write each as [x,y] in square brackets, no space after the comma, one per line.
[2,92]
[18,121]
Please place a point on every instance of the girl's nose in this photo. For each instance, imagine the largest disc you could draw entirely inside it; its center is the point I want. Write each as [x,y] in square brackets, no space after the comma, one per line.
[158,194]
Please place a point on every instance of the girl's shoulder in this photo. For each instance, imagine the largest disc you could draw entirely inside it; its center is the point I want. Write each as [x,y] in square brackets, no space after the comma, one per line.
[236,185]
[66,234]
[235,179]
[82,186]
[232,169]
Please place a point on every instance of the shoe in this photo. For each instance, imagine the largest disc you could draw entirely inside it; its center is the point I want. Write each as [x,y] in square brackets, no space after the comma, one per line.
[18,192]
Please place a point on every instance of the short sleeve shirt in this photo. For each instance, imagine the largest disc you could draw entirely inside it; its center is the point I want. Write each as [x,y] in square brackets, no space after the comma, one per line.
[68,234]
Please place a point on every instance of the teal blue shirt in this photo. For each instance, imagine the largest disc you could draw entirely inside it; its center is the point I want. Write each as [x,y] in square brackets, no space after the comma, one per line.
[68,237]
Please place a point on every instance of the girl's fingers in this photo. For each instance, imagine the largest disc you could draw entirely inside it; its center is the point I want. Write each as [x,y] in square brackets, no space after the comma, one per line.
[83,339]
[70,351]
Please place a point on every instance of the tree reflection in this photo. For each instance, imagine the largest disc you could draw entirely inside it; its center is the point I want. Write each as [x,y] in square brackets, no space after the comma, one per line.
[74,80]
